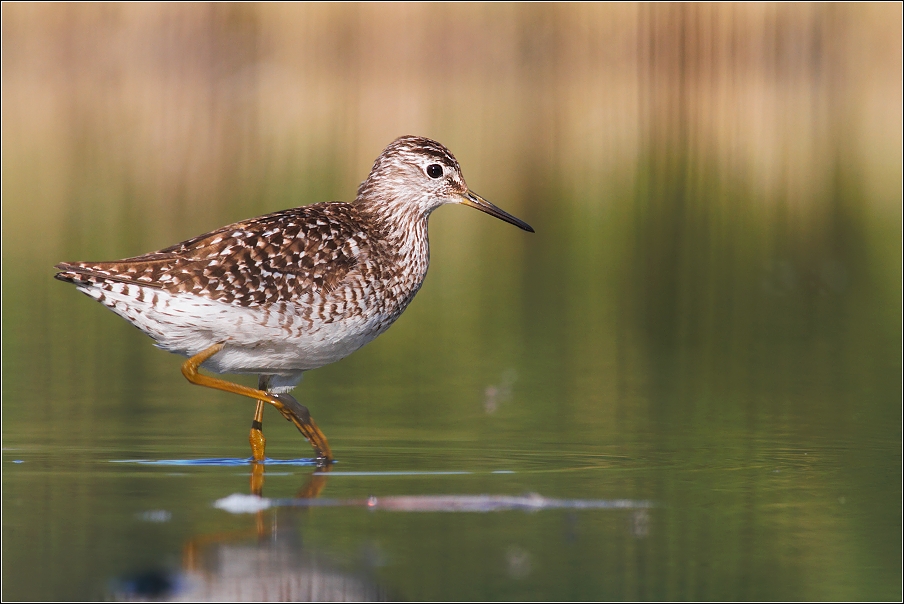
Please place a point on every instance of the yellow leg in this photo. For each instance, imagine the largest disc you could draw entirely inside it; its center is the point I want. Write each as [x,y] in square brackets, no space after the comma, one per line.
[256,436]
[285,404]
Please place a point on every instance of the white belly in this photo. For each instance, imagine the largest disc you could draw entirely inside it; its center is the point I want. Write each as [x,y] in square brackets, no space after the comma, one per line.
[259,341]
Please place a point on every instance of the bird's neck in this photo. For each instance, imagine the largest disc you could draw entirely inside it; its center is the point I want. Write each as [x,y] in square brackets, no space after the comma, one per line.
[401,230]
[395,221]
[398,227]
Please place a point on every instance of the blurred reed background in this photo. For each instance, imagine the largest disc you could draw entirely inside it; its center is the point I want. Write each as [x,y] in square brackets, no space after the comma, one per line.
[717,196]
[195,107]
[680,162]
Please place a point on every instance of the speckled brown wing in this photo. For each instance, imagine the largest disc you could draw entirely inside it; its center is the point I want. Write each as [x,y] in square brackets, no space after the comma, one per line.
[288,256]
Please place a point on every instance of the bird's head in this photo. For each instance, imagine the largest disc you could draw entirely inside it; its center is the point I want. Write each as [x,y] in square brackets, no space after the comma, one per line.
[416,174]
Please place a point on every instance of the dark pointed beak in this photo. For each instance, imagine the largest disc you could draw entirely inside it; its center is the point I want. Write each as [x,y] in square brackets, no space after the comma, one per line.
[476,201]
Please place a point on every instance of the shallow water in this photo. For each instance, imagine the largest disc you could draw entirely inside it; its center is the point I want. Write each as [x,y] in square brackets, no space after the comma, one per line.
[685,385]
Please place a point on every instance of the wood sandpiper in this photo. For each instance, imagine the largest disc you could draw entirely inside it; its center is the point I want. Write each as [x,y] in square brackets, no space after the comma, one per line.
[291,291]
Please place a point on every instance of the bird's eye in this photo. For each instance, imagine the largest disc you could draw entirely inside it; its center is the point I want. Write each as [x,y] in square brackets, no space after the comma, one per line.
[434,171]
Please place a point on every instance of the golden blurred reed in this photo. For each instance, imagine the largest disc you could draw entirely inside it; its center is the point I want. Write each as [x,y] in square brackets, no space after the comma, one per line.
[193,106]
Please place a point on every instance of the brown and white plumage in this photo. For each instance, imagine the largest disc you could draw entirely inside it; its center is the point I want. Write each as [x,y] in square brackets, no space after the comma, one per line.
[297,289]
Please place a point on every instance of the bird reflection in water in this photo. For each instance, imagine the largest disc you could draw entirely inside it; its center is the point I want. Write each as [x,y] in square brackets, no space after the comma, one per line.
[265,563]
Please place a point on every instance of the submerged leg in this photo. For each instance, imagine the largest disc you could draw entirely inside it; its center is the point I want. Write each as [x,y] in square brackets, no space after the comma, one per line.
[285,404]
[257,479]
[314,485]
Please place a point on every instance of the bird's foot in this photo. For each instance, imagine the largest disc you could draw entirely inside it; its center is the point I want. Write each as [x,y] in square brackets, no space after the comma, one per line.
[299,415]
